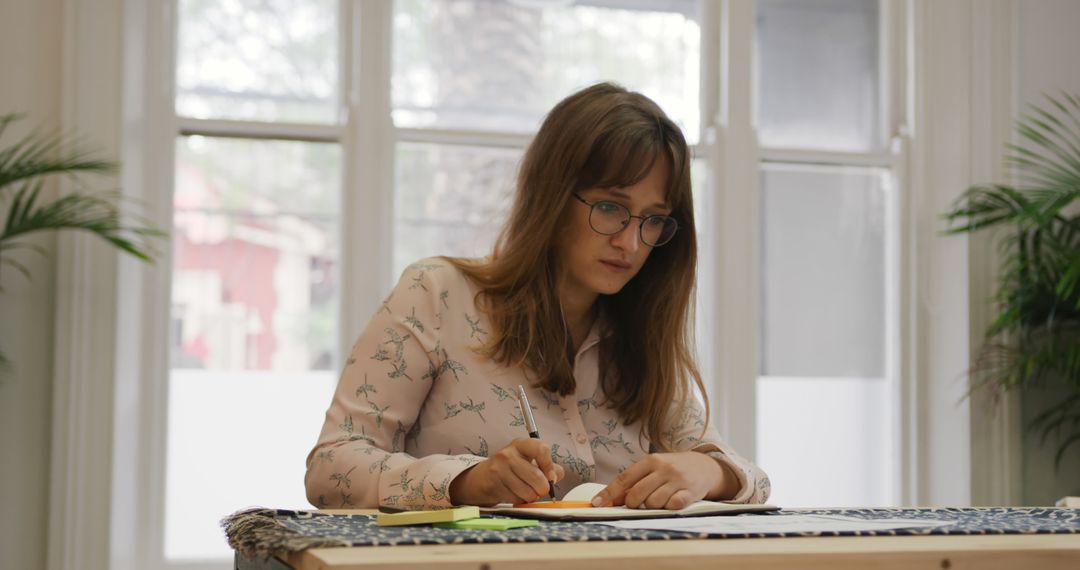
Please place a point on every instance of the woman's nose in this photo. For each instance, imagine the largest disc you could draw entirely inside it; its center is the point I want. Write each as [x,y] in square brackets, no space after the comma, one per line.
[627,238]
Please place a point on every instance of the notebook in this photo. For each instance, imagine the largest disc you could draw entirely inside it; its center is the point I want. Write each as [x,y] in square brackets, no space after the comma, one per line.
[586,491]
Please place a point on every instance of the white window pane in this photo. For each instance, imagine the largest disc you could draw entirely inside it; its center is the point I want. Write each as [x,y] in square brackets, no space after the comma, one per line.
[236,440]
[450,200]
[823,272]
[255,238]
[254,329]
[827,442]
[817,74]
[265,60]
[501,65]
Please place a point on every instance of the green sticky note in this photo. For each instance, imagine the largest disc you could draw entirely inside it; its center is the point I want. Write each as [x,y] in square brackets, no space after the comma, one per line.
[488,524]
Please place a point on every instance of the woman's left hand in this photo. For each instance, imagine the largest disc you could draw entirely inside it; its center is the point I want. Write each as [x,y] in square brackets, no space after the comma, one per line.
[667,481]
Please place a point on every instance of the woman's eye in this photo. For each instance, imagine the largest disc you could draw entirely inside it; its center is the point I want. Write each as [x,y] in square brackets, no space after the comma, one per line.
[655,221]
[608,207]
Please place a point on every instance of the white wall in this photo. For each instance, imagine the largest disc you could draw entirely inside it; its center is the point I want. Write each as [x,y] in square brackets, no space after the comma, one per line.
[1047,53]
[30,70]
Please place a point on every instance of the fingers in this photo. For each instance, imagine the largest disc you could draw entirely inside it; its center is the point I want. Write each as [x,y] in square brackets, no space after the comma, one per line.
[514,465]
[659,481]
[519,490]
[538,451]
[665,496]
[649,492]
[680,500]
[517,473]
[531,477]
[503,491]
[489,483]
[615,492]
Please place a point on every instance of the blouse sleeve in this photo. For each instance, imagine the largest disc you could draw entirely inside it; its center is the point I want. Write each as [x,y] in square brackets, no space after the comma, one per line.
[359,460]
[686,435]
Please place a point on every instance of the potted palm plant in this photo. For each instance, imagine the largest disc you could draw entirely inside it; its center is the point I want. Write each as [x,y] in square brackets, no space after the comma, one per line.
[1034,340]
[25,165]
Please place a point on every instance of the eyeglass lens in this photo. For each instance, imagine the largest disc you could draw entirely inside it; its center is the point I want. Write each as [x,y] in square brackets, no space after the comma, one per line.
[610,218]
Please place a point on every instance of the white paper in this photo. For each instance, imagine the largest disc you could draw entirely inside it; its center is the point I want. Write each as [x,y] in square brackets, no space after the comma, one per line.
[743,524]
[584,492]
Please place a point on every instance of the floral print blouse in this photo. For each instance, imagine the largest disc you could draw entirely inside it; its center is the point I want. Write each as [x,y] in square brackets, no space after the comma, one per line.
[416,406]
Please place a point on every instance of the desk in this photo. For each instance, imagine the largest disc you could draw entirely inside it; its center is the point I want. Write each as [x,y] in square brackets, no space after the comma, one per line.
[1024,551]
[1028,552]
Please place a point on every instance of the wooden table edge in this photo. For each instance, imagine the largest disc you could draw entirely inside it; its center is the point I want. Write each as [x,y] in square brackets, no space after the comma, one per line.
[1049,551]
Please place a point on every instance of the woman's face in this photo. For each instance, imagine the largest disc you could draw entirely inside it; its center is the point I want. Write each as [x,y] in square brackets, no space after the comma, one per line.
[598,264]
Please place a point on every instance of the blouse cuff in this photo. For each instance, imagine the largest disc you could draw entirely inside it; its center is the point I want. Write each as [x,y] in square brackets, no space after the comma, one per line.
[754,485]
[746,487]
[431,490]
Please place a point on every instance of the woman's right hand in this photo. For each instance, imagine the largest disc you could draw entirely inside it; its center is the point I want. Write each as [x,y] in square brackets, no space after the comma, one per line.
[517,473]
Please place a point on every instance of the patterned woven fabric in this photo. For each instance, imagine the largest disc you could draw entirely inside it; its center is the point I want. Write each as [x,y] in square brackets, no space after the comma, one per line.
[267,532]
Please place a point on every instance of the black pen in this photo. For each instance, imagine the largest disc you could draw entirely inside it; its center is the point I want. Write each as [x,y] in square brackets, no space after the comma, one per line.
[530,424]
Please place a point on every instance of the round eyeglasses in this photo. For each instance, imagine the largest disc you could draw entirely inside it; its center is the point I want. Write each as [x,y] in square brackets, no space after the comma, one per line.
[609,218]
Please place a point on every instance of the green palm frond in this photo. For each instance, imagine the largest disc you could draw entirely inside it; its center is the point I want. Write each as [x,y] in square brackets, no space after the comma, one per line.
[96,213]
[1035,336]
[1031,361]
[26,164]
[37,154]
[987,206]
[24,167]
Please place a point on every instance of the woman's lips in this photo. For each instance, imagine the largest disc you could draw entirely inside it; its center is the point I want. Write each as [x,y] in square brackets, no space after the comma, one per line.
[615,265]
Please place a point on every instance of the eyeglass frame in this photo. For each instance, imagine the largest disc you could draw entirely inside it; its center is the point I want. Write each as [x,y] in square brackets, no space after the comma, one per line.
[641,224]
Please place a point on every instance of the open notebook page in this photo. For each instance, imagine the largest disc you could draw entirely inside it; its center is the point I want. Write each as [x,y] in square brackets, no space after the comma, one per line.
[586,491]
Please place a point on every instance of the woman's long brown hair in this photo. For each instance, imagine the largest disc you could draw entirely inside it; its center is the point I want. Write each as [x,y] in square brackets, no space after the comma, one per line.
[603,136]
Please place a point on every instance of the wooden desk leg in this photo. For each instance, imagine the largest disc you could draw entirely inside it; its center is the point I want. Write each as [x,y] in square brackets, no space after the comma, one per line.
[274,563]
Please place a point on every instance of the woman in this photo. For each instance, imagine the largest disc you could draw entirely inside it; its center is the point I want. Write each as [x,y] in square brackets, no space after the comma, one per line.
[585,302]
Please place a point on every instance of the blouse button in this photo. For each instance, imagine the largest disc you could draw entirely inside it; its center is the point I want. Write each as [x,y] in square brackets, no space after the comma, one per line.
[581,438]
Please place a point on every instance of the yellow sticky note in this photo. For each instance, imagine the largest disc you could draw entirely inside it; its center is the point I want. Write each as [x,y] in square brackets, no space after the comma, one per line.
[427,517]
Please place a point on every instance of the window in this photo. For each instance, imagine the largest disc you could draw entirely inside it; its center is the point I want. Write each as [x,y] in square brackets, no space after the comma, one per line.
[255,261]
[279,208]
[826,408]
[469,75]
[262,99]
